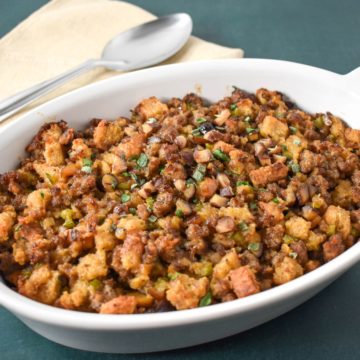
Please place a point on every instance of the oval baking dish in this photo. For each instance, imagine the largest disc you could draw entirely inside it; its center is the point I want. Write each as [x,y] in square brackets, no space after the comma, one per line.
[312,89]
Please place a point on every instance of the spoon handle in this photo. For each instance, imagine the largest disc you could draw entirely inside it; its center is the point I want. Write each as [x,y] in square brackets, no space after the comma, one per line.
[14,103]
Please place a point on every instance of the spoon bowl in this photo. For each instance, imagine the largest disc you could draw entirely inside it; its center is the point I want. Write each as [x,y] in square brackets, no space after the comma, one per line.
[149,43]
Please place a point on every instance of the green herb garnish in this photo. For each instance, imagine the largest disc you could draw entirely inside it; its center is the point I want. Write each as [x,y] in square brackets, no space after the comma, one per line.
[125,198]
[132,211]
[200,120]
[243,226]
[206,300]
[241,183]
[276,200]
[152,218]
[220,155]
[173,276]
[250,130]
[143,160]
[295,168]
[179,213]
[293,129]
[199,172]
[254,246]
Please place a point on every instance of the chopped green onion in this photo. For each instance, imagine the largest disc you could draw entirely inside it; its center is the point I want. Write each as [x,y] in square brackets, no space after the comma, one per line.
[254,247]
[276,200]
[125,198]
[250,130]
[196,132]
[133,186]
[132,211]
[143,160]
[126,174]
[233,106]
[293,254]
[253,205]
[179,213]
[297,142]
[152,218]
[189,182]
[87,162]
[86,169]
[220,155]
[42,194]
[220,128]
[240,183]
[243,226]
[247,119]
[173,276]
[200,120]
[17,227]
[199,172]
[293,129]
[87,165]
[206,300]
[295,168]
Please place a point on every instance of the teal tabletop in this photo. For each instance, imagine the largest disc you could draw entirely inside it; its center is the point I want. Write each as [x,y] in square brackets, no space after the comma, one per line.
[321,33]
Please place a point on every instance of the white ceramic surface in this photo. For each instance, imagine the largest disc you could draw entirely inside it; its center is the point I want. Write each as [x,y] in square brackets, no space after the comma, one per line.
[311,88]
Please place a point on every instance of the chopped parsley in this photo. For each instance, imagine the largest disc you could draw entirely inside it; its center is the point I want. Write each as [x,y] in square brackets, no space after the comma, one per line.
[206,300]
[173,276]
[152,218]
[254,246]
[199,172]
[200,120]
[250,130]
[179,213]
[125,198]
[243,226]
[220,155]
[253,205]
[295,168]
[142,161]
[242,183]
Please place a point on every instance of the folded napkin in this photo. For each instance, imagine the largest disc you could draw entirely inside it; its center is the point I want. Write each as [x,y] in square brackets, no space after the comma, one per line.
[65,33]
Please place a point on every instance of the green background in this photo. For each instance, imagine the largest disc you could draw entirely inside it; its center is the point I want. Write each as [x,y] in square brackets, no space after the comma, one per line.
[320,33]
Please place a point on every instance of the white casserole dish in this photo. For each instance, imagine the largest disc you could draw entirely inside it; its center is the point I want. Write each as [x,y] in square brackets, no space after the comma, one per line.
[311,88]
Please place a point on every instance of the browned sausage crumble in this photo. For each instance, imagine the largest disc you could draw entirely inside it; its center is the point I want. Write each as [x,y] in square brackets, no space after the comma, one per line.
[185,204]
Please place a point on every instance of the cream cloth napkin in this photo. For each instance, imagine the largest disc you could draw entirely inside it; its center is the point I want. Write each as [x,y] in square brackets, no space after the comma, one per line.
[65,33]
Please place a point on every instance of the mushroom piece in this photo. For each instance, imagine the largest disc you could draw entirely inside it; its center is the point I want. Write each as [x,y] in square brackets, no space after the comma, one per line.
[223,180]
[225,224]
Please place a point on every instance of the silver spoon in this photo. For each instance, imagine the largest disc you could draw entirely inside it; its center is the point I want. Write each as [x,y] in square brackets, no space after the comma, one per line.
[144,45]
